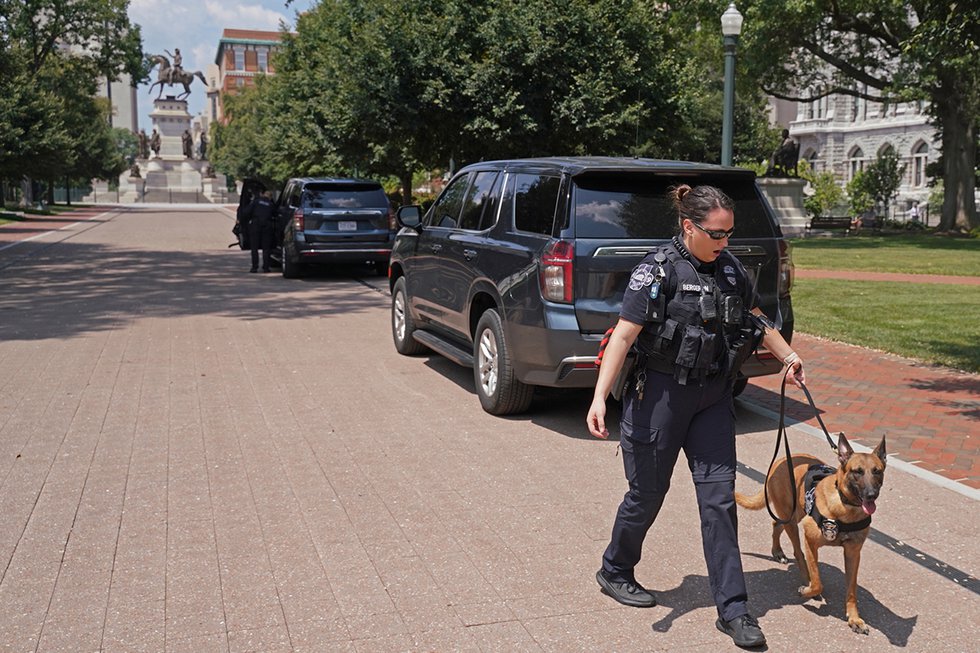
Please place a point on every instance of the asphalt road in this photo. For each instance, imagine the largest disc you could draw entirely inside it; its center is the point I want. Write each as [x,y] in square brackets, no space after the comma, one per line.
[194,458]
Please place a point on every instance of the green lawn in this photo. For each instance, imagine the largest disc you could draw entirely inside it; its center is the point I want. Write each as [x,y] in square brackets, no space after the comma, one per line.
[9,217]
[913,254]
[929,322]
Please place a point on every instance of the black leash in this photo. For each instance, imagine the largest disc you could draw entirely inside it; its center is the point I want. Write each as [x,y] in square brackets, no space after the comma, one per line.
[783,434]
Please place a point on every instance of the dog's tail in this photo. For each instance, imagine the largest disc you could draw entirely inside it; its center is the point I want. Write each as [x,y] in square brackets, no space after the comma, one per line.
[754,502]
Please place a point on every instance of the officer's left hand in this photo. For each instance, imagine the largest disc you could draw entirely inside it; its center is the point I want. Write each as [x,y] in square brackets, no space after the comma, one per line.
[798,375]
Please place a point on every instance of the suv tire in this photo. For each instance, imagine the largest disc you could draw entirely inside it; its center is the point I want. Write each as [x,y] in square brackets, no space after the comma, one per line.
[401,322]
[291,269]
[500,393]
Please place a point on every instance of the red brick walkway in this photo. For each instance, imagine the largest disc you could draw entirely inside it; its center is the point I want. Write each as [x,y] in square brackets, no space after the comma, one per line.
[930,414]
[35,225]
[887,276]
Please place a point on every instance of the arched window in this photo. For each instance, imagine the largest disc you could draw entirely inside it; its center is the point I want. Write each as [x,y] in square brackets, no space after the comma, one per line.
[886,149]
[855,162]
[920,157]
[811,157]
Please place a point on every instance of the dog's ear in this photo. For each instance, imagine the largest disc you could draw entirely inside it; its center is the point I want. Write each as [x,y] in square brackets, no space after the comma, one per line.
[880,450]
[844,451]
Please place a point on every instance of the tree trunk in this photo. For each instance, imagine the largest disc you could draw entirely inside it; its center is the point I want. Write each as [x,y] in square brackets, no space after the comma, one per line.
[26,191]
[406,182]
[959,162]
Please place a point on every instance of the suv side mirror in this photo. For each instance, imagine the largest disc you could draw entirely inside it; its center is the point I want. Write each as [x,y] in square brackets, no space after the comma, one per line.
[410,216]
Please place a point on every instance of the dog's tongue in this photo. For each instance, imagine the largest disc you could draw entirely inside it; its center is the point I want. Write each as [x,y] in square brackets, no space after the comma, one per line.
[868,507]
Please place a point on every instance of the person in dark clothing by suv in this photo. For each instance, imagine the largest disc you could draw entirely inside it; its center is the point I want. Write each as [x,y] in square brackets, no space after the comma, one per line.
[690,313]
[258,217]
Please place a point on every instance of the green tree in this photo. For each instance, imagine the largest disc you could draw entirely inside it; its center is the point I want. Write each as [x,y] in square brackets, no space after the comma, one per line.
[826,194]
[246,147]
[883,51]
[52,53]
[877,184]
[696,45]
[387,87]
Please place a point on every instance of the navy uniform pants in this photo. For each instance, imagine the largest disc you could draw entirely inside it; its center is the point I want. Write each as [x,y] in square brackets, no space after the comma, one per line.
[260,237]
[701,421]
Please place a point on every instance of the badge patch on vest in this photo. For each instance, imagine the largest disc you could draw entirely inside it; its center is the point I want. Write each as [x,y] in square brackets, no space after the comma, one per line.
[694,287]
[730,274]
[642,276]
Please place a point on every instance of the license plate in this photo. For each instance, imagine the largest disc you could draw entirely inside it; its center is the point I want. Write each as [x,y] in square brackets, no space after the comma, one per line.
[347,225]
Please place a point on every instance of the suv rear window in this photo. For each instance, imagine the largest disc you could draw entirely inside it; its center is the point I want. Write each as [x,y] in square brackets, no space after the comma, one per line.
[343,196]
[636,206]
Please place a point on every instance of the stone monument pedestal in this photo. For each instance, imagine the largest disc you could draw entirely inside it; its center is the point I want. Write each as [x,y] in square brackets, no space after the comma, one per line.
[785,195]
[168,176]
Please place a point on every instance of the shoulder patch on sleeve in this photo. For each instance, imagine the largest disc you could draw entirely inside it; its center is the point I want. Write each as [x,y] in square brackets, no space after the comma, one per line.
[642,276]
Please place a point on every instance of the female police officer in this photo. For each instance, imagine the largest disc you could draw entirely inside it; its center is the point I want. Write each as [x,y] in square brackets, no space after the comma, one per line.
[686,312]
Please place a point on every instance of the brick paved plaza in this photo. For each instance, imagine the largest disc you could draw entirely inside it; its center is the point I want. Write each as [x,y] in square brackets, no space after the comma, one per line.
[193,458]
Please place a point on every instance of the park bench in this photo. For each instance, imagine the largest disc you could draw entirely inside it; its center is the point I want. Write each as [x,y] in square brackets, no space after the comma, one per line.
[829,222]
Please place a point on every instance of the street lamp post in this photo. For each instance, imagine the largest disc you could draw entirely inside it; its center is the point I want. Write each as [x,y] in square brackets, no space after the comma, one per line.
[731,27]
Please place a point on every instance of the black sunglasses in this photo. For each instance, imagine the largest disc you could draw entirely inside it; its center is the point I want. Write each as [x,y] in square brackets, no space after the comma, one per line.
[715,234]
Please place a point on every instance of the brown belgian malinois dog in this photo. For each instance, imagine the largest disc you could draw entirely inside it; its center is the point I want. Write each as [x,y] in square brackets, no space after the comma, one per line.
[836,511]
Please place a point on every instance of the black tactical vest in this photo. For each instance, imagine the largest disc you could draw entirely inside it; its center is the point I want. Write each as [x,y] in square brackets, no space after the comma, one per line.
[703,328]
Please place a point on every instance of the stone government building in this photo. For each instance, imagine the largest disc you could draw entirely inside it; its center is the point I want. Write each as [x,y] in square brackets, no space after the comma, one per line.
[843,134]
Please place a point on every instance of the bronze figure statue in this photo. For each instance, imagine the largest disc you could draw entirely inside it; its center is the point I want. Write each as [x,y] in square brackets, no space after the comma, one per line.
[171,76]
[143,149]
[188,143]
[177,68]
[785,158]
[155,143]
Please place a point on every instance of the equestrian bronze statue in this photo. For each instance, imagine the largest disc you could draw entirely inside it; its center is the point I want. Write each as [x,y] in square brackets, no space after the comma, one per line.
[168,76]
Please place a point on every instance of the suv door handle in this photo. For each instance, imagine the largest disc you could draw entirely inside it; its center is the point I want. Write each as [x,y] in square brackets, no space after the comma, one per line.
[469,254]
[436,248]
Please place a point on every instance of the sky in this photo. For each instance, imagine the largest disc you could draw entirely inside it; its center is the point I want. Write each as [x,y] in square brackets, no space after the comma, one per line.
[195,26]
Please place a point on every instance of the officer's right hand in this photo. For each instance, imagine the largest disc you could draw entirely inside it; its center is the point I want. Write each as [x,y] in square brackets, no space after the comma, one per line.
[597,419]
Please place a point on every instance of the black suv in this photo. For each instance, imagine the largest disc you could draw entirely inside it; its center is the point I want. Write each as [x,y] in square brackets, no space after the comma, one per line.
[333,220]
[519,267]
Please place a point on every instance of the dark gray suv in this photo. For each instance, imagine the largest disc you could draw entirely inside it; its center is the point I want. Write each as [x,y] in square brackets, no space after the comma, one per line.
[333,221]
[519,267]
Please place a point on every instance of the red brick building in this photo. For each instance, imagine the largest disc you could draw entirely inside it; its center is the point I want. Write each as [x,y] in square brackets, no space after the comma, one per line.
[243,54]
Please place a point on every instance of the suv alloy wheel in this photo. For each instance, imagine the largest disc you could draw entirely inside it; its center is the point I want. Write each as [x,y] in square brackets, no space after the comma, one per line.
[500,393]
[401,322]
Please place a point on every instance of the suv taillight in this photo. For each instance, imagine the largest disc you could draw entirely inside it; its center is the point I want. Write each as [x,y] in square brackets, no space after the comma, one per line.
[392,220]
[299,222]
[556,271]
[786,268]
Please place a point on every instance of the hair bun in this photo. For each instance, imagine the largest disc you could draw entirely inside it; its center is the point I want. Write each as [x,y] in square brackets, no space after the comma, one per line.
[678,193]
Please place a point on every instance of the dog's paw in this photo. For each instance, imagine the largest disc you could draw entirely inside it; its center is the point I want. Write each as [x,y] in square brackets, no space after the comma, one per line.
[780,557]
[858,626]
[808,592]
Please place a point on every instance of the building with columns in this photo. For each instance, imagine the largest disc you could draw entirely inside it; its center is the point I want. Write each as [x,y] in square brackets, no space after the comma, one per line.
[243,54]
[843,134]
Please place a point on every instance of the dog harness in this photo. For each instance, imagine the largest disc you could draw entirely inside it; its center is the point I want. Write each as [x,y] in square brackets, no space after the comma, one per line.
[829,527]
